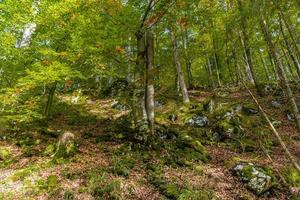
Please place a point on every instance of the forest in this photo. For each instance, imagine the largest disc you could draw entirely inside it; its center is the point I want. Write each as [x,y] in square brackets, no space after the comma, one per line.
[149,99]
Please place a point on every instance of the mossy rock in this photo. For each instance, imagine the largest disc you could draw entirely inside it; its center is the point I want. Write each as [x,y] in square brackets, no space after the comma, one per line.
[250,109]
[67,150]
[222,109]
[257,179]
[5,153]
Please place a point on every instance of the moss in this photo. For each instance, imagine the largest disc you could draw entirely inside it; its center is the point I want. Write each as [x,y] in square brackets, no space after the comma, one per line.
[292,176]
[49,150]
[222,109]
[5,153]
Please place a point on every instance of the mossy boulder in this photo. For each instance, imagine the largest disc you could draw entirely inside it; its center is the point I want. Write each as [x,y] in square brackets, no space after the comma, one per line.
[5,153]
[209,106]
[198,121]
[221,110]
[257,179]
[250,109]
[66,146]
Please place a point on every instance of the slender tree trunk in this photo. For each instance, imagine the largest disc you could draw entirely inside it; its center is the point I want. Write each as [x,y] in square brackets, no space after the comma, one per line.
[217,69]
[210,74]
[246,44]
[50,100]
[180,76]
[238,68]
[265,66]
[188,62]
[282,75]
[139,100]
[149,97]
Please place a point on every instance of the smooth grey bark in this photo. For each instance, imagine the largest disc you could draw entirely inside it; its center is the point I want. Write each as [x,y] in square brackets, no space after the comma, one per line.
[188,62]
[149,96]
[280,68]
[180,76]
[264,65]
[210,74]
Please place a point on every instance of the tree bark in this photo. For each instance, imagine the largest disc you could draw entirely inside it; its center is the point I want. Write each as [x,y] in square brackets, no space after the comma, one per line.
[149,97]
[265,66]
[210,74]
[188,62]
[50,100]
[180,76]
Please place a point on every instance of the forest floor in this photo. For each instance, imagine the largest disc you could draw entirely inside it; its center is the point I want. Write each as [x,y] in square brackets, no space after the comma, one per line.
[110,169]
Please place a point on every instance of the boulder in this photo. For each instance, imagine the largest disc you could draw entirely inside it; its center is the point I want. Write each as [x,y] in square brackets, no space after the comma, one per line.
[198,121]
[257,179]
[66,145]
[250,109]
[173,117]
[158,104]
[209,106]
[276,103]
[119,106]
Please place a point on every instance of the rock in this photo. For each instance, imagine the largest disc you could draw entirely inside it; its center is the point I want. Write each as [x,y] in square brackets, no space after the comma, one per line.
[173,118]
[66,145]
[250,109]
[209,106]
[257,179]
[5,153]
[276,103]
[117,87]
[224,130]
[119,106]
[290,116]
[237,108]
[198,121]
[141,130]
[158,104]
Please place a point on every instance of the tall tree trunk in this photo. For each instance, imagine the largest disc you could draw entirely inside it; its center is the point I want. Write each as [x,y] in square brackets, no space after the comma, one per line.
[265,65]
[282,75]
[210,74]
[149,97]
[246,44]
[50,100]
[237,68]
[139,100]
[217,69]
[188,62]
[180,76]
